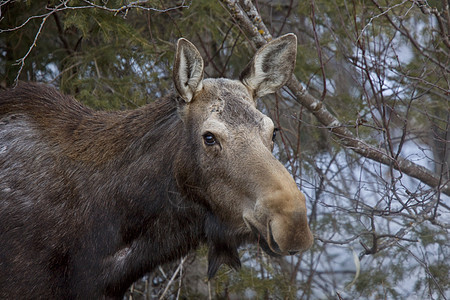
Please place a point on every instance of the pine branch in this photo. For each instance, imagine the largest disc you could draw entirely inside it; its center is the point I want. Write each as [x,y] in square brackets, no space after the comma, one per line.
[65,5]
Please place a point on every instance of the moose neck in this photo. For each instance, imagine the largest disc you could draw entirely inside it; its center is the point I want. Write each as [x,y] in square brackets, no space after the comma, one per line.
[154,221]
[161,219]
[139,175]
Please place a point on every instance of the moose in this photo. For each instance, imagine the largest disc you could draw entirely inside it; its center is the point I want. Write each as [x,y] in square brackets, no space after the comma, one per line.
[90,201]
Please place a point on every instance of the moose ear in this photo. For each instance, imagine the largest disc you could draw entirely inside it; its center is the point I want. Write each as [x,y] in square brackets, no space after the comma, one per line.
[187,70]
[272,66]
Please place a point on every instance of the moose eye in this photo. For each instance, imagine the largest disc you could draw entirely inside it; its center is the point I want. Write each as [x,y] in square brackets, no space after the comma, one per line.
[275,133]
[209,139]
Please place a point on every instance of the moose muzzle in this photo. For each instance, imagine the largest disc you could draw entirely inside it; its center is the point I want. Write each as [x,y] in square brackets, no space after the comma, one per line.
[279,218]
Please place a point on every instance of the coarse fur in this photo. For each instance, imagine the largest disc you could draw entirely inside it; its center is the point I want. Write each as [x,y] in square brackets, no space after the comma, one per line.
[90,201]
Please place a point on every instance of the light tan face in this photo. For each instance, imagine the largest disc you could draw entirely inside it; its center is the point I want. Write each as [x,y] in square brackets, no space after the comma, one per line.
[249,189]
[231,142]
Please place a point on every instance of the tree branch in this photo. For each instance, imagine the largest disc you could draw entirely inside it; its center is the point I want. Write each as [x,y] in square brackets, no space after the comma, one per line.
[64,5]
[251,23]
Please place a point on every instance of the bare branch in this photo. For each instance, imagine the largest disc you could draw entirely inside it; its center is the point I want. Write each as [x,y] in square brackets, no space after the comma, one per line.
[427,269]
[444,29]
[346,138]
[21,61]
[132,5]
[178,270]
[408,35]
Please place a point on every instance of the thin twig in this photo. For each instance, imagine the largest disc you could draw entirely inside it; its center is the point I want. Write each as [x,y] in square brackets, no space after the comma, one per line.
[180,266]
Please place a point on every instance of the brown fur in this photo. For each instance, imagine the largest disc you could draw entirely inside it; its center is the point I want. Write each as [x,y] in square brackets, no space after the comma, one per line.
[90,201]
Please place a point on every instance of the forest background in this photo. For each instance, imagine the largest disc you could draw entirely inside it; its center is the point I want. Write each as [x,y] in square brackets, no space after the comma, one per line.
[364,125]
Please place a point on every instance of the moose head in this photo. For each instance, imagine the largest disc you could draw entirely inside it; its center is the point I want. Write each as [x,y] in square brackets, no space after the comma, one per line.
[231,145]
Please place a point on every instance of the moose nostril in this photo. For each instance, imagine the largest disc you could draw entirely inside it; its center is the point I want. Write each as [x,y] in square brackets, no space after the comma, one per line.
[292,252]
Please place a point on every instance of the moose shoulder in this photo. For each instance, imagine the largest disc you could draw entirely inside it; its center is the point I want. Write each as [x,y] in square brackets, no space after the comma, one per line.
[90,201]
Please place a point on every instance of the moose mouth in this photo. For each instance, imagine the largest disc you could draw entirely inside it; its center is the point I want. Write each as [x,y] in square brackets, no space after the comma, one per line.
[268,243]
